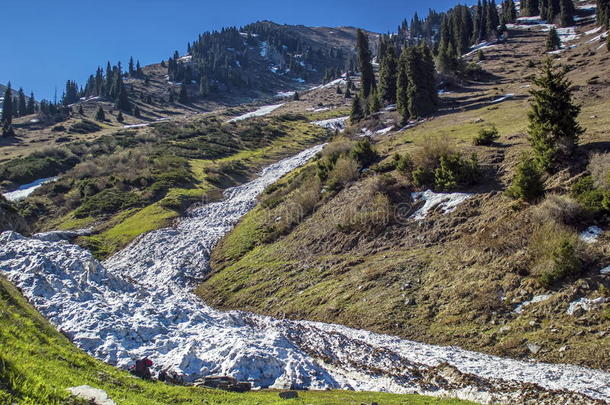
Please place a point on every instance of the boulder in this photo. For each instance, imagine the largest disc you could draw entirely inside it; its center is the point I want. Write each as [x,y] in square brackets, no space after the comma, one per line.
[289,395]
[95,396]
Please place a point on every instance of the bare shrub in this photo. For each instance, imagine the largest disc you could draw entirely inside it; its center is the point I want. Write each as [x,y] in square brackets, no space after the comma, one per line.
[428,156]
[561,209]
[599,167]
[345,170]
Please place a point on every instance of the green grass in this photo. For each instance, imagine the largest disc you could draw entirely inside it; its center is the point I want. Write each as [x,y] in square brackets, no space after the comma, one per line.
[37,364]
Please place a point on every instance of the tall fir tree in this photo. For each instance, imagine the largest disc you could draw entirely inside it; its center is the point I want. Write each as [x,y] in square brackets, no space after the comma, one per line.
[183,97]
[31,107]
[365,65]
[122,102]
[7,107]
[387,75]
[21,104]
[553,42]
[402,86]
[356,114]
[566,13]
[553,130]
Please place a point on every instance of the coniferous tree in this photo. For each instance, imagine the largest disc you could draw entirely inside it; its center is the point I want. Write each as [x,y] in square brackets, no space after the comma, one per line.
[402,86]
[374,102]
[387,76]
[553,42]
[131,67]
[348,92]
[295,96]
[365,65]
[120,117]
[603,13]
[31,107]
[123,102]
[530,8]
[100,115]
[566,13]
[136,112]
[356,114]
[7,107]
[339,91]
[21,105]
[553,129]
[80,109]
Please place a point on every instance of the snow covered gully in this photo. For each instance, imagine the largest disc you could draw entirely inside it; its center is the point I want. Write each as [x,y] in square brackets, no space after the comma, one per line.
[139,303]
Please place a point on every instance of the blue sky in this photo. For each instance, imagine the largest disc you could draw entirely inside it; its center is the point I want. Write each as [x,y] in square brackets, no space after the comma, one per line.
[47,42]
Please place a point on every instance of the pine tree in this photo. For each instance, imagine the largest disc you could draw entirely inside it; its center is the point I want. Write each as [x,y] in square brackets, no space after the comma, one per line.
[21,105]
[366,67]
[527,184]
[553,129]
[7,107]
[566,13]
[123,102]
[356,114]
[131,67]
[100,115]
[553,42]
[387,76]
[183,97]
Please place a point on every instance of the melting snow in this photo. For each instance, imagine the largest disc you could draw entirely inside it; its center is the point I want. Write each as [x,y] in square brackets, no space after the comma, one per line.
[506,97]
[591,234]
[285,94]
[538,298]
[135,126]
[384,131]
[585,304]
[328,85]
[333,123]
[448,202]
[27,189]
[605,270]
[265,110]
[138,303]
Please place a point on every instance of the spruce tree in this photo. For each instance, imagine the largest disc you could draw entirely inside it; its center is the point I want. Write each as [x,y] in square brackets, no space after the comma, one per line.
[21,105]
[553,130]
[348,92]
[553,42]
[374,102]
[402,86]
[31,108]
[356,114]
[387,76]
[566,13]
[136,112]
[7,107]
[123,102]
[100,115]
[365,64]
[131,67]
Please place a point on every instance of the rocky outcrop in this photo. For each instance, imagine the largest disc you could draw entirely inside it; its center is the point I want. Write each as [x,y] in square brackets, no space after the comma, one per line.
[10,220]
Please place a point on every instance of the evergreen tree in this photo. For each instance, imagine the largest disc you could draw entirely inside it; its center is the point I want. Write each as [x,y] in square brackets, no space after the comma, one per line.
[339,91]
[603,13]
[527,184]
[80,109]
[348,93]
[356,114]
[21,105]
[183,97]
[120,117]
[31,107]
[530,8]
[402,86]
[374,102]
[365,64]
[553,42]
[136,112]
[122,102]
[100,115]
[566,13]
[553,129]
[131,67]
[387,76]
[295,96]
[7,107]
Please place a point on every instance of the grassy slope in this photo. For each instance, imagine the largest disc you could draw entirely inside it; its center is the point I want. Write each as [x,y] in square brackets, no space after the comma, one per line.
[457,265]
[37,364]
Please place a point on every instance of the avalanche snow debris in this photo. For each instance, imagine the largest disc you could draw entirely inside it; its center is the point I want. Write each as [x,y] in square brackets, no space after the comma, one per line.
[333,123]
[591,234]
[537,298]
[448,202]
[27,189]
[139,304]
[265,110]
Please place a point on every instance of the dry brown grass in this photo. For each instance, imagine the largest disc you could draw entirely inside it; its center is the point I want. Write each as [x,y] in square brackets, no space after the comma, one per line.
[432,148]
[599,167]
[560,209]
[345,170]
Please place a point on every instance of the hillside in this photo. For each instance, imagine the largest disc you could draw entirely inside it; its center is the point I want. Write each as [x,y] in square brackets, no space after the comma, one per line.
[446,278]
[325,210]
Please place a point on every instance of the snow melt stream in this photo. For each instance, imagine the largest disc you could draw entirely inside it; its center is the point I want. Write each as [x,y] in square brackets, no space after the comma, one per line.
[139,303]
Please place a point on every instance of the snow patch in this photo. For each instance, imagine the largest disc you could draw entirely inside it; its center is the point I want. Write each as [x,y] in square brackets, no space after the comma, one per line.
[537,298]
[447,202]
[135,126]
[27,189]
[605,271]
[384,131]
[261,112]
[285,94]
[333,123]
[591,234]
[505,97]
[93,395]
[585,304]
[334,83]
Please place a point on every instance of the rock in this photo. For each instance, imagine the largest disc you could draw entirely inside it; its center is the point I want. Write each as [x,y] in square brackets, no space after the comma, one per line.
[563,348]
[289,395]
[533,347]
[504,329]
[95,396]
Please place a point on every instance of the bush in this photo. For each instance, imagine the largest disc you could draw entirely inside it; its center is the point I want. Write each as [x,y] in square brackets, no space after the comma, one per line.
[599,167]
[594,200]
[486,136]
[563,210]
[344,171]
[455,171]
[364,153]
[84,127]
[527,184]
[557,252]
